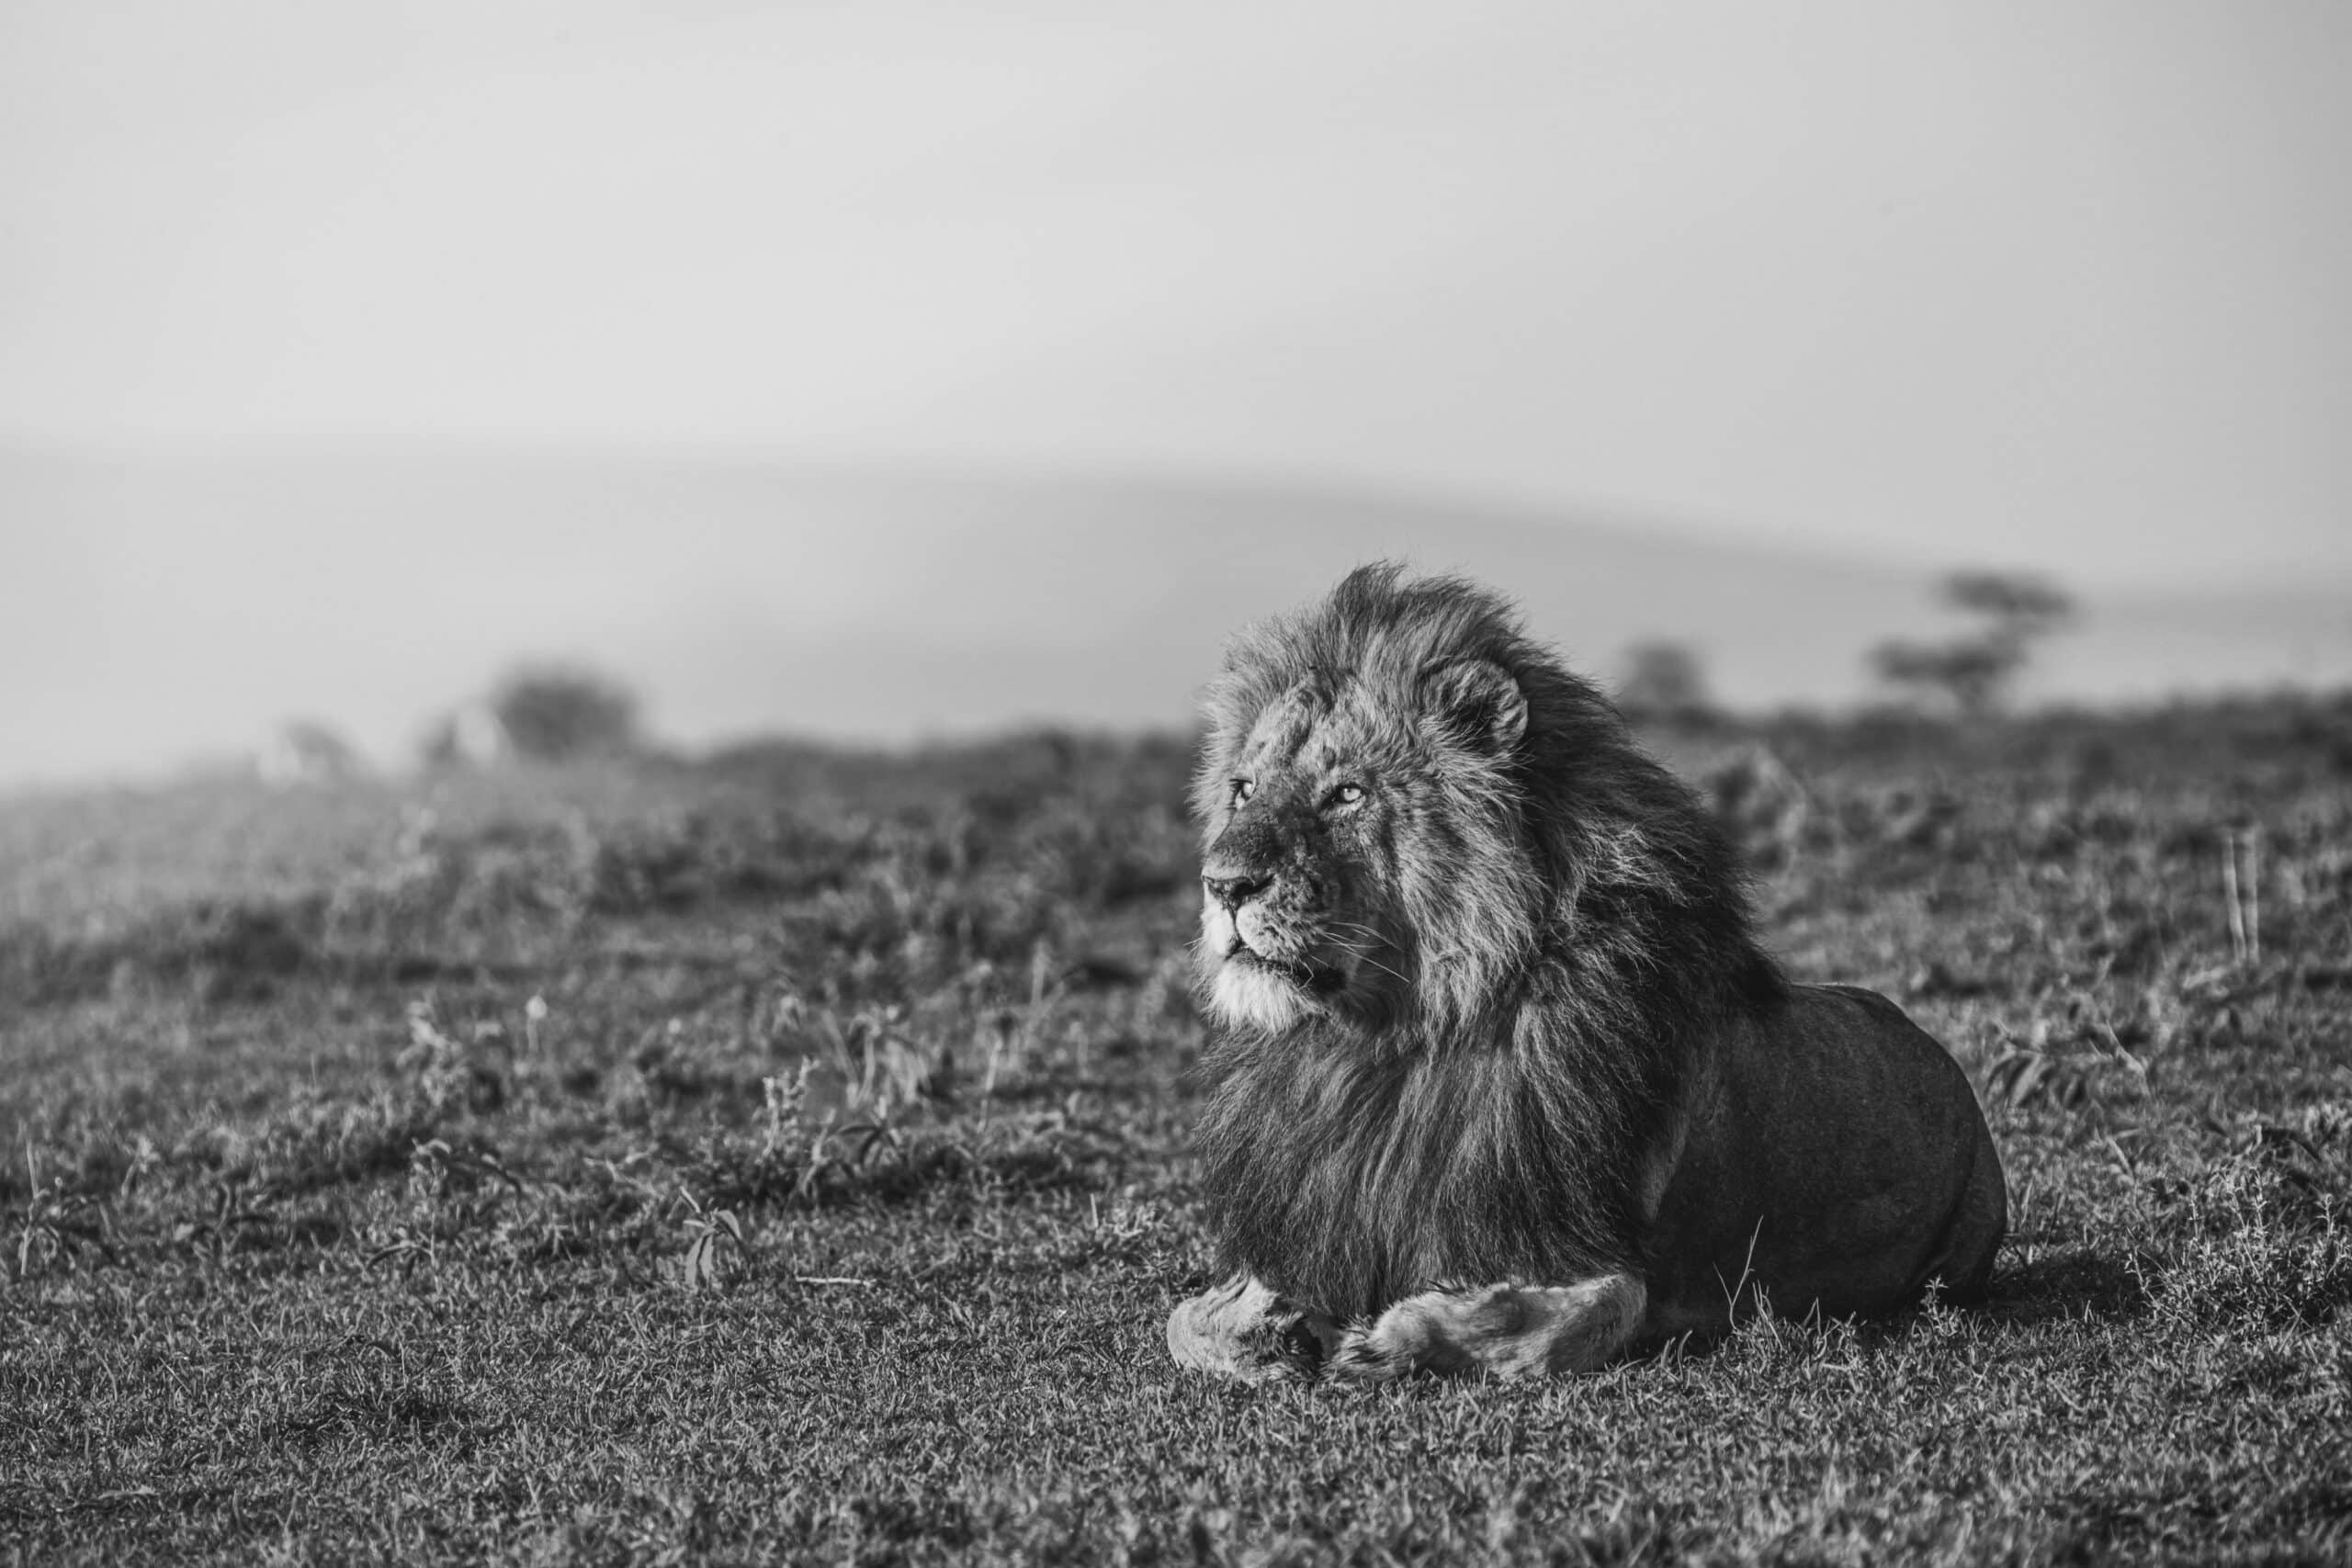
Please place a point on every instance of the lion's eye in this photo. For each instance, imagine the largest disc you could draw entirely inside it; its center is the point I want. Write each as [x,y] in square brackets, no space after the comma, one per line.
[1346,794]
[1242,790]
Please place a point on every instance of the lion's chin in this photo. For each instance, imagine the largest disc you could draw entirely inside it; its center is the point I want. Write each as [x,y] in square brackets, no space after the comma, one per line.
[1251,992]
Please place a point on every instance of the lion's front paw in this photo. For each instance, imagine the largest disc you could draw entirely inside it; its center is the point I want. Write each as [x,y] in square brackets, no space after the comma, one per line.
[1405,1339]
[1243,1330]
[1503,1330]
[1364,1357]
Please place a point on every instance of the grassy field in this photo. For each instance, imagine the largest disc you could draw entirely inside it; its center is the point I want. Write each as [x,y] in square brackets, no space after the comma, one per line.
[783,1157]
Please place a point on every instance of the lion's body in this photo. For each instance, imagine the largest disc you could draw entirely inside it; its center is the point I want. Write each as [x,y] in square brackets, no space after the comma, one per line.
[1506,1079]
[1833,1155]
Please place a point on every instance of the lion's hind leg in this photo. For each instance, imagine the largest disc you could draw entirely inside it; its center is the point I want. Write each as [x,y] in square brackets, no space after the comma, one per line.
[1507,1330]
[1243,1330]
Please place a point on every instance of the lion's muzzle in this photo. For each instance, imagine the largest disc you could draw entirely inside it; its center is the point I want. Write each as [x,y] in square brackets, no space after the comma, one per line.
[1232,891]
[1265,950]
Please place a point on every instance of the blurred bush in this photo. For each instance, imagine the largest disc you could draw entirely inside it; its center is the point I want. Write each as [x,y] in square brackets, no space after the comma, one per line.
[1665,682]
[307,751]
[554,712]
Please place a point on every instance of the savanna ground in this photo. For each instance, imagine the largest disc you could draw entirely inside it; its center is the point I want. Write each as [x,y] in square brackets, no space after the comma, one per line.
[784,1156]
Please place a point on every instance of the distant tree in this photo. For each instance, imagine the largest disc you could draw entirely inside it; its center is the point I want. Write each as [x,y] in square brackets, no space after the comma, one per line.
[2016,604]
[551,713]
[1973,672]
[1664,681]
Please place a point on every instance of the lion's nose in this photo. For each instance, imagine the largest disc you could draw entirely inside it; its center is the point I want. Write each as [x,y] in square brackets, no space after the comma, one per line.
[1232,891]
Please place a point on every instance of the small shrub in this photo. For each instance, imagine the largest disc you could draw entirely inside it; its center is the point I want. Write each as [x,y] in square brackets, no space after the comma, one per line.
[2258,1237]
[551,713]
[1665,682]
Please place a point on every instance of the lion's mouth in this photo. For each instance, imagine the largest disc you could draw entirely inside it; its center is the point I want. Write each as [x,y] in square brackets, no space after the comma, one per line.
[1320,980]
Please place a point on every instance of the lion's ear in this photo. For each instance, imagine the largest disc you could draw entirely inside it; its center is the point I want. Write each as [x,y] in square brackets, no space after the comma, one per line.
[1475,703]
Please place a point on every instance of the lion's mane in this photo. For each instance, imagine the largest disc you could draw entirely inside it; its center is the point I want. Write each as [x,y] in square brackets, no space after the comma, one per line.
[1493,1124]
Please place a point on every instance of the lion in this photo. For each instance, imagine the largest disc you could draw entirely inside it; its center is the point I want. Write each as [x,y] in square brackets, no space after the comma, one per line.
[1504,1081]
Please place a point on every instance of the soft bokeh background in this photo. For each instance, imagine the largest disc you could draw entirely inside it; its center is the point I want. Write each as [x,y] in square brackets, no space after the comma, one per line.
[887,370]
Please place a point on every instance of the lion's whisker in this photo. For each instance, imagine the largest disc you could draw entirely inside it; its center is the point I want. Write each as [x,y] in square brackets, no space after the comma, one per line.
[1361,957]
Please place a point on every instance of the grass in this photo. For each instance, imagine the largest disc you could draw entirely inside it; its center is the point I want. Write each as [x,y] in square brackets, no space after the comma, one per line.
[783,1157]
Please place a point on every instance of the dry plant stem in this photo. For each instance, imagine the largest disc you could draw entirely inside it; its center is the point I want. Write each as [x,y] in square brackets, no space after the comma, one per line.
[2236,910]
[2242,891]
[2253,894]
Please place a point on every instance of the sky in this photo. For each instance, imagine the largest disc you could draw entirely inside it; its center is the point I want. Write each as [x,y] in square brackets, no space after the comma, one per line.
[2055,284]
[2064,275]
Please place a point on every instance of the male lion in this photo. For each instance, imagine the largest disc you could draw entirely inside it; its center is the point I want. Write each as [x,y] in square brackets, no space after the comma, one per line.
[1506,1082]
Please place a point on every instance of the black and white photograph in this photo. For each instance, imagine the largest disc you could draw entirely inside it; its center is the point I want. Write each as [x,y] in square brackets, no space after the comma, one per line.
[1278,786]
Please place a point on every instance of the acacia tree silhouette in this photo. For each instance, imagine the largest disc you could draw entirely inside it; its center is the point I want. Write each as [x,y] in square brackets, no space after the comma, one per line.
[1974,673]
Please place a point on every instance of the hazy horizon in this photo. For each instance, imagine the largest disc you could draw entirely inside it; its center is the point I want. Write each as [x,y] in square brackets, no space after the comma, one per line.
[868,606]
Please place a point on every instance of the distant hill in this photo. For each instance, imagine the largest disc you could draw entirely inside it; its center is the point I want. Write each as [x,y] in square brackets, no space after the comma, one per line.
[154,607]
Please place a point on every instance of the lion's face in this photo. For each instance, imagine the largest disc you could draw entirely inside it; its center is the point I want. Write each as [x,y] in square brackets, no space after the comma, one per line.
[1297,906]
[1354,850]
